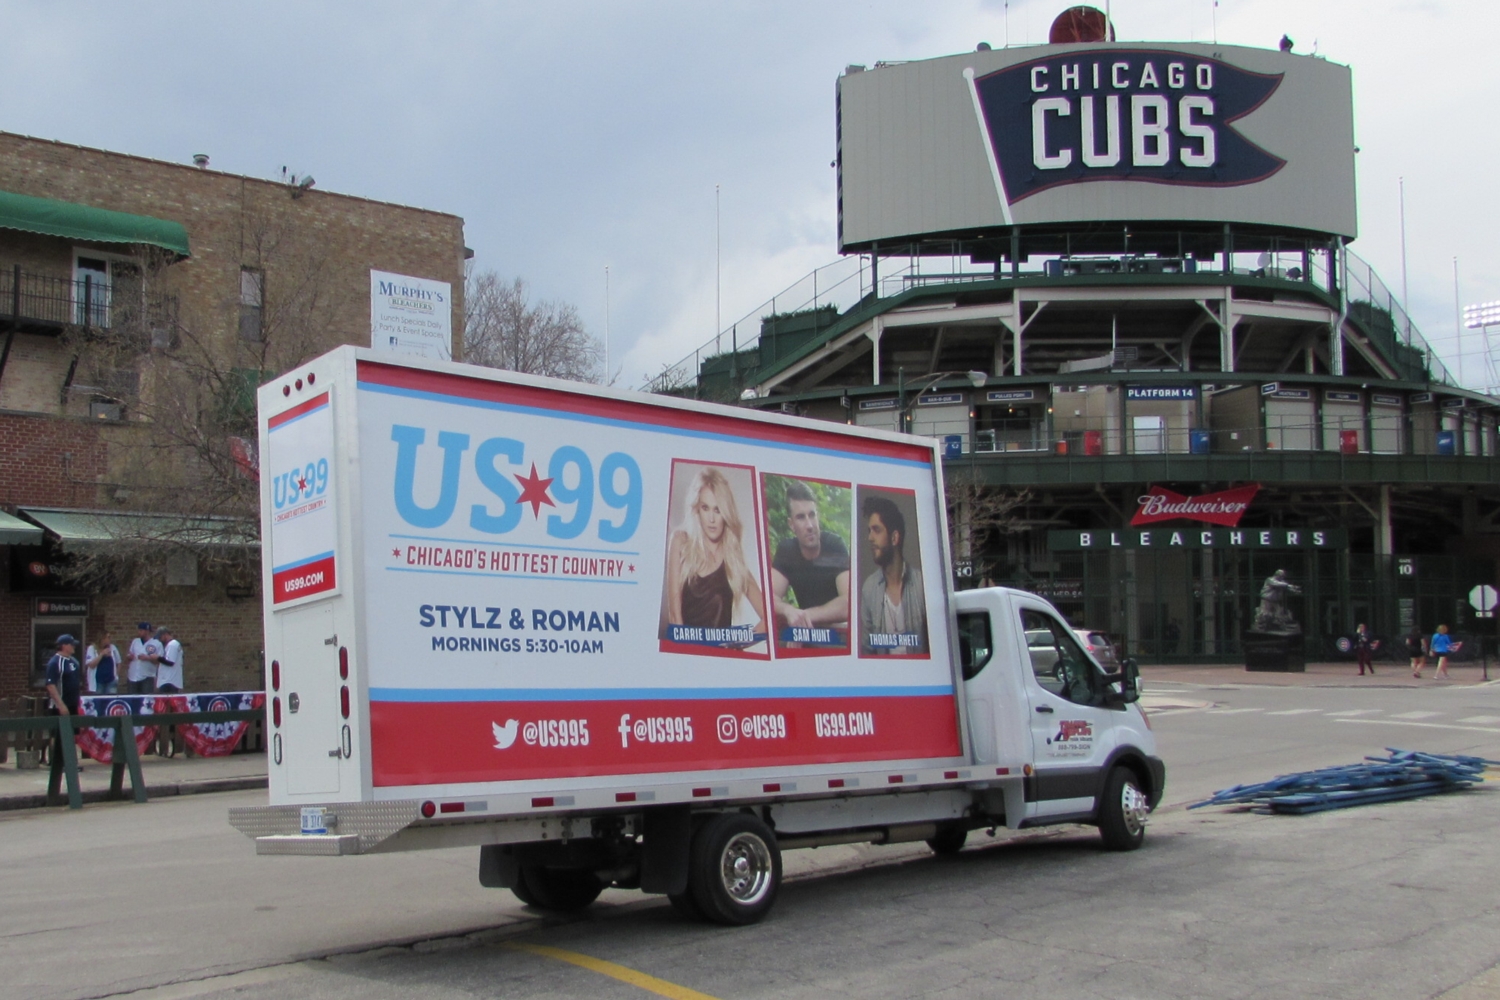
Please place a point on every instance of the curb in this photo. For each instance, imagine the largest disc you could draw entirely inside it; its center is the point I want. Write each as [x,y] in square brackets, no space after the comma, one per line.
[39,800]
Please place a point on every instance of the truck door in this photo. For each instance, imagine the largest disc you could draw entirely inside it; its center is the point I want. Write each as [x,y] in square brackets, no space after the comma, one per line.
[310,676]
[1072,734]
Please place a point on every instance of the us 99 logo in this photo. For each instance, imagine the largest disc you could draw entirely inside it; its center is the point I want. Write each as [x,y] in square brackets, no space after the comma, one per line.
[570,488]
[291,488]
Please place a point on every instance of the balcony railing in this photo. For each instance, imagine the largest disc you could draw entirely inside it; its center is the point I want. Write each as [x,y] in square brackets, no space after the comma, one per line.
[727,363]
[45,303]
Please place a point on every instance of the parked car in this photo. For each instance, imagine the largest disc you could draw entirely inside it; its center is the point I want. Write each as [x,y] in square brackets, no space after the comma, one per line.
[1097,645]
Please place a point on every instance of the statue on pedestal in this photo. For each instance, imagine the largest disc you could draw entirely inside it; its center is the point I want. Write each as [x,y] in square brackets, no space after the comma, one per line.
[1274,616]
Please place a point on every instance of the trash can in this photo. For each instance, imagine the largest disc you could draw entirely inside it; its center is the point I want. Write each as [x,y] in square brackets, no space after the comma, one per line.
[1348,442]
[1199,441]
[953,445]
[1447,442]
[1093,442]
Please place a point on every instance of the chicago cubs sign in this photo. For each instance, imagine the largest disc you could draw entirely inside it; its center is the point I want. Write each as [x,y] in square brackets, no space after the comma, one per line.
[1145,115]
[1094,132]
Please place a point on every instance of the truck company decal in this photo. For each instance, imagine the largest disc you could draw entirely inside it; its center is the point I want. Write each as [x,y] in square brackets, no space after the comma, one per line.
[1135,115]
[303,528]
[562,584]
[1225,508]
[1074,739]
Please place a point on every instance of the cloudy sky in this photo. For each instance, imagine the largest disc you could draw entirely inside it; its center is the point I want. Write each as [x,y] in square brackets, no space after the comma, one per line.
[571,136]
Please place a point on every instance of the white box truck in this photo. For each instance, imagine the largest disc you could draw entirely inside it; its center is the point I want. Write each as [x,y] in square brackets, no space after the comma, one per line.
[631,640]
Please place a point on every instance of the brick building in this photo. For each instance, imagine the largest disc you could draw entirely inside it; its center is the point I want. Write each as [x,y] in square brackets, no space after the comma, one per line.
[141,302]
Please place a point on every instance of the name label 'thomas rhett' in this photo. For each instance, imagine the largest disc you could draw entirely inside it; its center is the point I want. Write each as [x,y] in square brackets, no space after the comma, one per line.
[1223,508]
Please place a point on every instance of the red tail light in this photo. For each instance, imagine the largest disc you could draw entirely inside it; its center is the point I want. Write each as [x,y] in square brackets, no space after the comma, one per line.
[344,664]
[344,700]
[275,675]
[276,712]
[429,810]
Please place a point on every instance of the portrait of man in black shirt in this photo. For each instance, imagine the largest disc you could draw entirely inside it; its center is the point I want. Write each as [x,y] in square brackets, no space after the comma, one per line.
[809,573]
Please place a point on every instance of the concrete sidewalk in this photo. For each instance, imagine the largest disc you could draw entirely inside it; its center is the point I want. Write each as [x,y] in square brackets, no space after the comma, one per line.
[1389,673]
[178,775]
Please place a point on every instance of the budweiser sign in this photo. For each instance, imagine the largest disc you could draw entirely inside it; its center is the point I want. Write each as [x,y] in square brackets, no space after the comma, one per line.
[1224,508]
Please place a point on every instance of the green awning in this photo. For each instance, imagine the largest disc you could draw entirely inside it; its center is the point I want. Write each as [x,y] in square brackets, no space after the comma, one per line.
[84,222]
[14,531]
[80,529]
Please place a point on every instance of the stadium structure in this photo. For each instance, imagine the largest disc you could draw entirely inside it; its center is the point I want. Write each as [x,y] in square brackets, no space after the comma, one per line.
[1116,280]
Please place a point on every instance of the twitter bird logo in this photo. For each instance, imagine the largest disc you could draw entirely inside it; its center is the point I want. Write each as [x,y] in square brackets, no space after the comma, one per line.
[505,735]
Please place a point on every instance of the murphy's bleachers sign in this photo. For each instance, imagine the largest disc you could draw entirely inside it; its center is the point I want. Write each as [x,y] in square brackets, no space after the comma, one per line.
[1199,538]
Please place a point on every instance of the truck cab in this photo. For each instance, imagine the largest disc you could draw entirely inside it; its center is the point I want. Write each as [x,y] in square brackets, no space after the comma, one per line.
[1034,695]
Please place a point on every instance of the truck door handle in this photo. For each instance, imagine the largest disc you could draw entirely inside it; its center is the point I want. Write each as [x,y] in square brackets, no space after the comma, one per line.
[1044,708]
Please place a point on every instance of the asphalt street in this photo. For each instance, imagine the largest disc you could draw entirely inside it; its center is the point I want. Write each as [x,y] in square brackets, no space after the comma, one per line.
[1400,901]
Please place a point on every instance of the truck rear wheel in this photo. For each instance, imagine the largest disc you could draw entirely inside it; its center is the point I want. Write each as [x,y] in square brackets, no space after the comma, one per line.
[1123,811]
[561,889]
[735,869]
[949,840]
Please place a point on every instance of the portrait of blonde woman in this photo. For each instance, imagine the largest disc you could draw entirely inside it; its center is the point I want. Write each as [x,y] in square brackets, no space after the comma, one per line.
[711,593]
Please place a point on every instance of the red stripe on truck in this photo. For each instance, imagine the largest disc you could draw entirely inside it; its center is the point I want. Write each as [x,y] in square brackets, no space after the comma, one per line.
[422,743]
[699,418]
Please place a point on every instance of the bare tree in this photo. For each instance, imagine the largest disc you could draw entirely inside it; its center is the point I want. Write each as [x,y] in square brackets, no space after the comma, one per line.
[504,329]
[186,381]
[977,514]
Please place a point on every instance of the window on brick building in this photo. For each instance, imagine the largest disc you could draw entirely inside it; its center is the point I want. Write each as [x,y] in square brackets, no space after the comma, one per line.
[252,301]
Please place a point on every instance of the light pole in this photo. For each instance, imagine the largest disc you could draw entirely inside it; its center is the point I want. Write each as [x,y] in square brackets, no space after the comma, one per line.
[976,378]
[1481,316]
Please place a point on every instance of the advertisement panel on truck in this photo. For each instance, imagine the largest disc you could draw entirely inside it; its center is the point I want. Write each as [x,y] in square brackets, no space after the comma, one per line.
[560,584]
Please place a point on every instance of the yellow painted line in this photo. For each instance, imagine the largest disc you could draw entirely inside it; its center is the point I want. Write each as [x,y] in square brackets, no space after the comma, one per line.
[650,984]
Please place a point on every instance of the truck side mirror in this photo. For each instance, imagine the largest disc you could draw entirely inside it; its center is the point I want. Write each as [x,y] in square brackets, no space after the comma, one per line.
[1130,680]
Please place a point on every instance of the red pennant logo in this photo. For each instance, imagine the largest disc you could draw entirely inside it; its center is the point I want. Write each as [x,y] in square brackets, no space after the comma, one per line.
[1224,508]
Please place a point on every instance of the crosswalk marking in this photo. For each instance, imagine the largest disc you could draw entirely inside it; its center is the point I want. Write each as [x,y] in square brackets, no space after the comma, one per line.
[1232,711]
[1355,711]
[1424,725]
[1481,720]
[1415,715]
[1295,711]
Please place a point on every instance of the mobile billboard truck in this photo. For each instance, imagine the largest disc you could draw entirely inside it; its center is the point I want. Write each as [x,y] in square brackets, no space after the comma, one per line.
[630,640]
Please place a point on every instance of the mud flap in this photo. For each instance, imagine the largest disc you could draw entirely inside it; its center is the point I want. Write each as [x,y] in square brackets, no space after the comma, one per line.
[668,834]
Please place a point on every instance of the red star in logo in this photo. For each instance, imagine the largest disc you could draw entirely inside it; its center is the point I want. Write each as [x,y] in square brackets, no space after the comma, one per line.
[395,552]
[534,491]
[302,484]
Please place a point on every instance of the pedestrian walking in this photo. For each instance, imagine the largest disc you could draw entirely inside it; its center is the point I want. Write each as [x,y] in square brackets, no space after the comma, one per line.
[64,682]
[102,661]
[1416,650]
[1441,646]
[1362,650]
[140,673]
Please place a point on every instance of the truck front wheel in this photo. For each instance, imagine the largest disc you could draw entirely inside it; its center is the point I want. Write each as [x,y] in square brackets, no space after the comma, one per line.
[735,869]
[561,889]
[1123,811]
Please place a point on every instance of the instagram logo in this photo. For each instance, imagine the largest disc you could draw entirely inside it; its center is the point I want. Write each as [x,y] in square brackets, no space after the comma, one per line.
[729,729]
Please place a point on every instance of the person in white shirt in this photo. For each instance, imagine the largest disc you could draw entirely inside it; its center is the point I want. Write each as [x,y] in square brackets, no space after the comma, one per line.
[140,673]
[102,661]
[169,667]
[168,681]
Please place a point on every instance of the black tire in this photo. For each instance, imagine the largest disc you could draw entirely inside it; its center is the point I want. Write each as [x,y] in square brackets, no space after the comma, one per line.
[562,890]
[734,872]
[685,905]
[1123,811]
[949,840]
[522,891]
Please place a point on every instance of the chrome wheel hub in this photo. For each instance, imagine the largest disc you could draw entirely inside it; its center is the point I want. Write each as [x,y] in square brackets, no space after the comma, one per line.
[1134,808]
[746,868]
